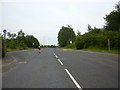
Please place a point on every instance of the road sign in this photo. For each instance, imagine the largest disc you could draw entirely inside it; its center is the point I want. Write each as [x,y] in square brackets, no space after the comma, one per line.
[4,31]
[70,42]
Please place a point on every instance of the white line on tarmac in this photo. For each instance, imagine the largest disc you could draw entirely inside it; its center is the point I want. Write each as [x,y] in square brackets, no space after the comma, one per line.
[73,79]
[60,61]
[56,56]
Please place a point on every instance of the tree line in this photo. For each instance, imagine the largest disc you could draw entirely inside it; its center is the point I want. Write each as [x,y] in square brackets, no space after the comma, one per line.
[95,37]
[20,41]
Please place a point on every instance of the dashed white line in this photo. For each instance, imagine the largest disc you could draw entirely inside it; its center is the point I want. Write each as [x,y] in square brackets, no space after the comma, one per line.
[73,79]
[60,61]
[56,56]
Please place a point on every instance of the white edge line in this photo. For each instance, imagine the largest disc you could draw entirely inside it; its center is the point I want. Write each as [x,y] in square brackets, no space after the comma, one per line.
[75,82]
[60,62]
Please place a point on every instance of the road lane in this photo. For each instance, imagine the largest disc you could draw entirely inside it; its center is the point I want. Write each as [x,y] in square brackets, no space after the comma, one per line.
[91,70]
[56,68]
[41,71]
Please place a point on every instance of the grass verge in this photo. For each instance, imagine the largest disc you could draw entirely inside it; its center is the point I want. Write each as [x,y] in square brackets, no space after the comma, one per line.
[102,50]
[96,49]
[9,50]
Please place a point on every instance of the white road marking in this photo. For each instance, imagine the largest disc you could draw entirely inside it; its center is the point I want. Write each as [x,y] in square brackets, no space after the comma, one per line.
[54,53]
[60,61]
[22,62]
[56,56]
[73,79]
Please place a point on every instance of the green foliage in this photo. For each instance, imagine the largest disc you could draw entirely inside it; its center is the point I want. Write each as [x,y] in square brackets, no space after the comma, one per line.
[11,36]
[98,40]
[79,43]
[21,41]
[65,35]
[21,33]
[11,44]
[31,41]
[113,19]
[89,28]
[71,46]
[1,46]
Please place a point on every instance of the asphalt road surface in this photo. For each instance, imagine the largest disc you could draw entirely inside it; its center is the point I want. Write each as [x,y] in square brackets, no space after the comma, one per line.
[58,68]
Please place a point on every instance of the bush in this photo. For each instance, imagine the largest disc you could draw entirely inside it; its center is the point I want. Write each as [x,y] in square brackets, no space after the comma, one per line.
[71,46]
[92,39]
[79,43]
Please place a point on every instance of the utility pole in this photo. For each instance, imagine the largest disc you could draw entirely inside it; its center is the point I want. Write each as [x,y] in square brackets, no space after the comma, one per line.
[4,42]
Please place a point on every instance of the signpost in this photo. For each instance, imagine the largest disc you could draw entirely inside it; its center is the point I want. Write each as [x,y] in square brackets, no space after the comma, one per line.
[4,41]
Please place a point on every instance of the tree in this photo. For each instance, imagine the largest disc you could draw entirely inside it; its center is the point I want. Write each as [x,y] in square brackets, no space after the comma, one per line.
[9,35]
[89,28]
[96,30]
[113,19]
[13,35]
[78,32]
[65,34]
[79,42]
[31,41]
[20,40]
[21,33]
[118,6]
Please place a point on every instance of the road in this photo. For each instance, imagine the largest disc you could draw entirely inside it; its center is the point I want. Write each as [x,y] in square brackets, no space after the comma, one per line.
[58,68]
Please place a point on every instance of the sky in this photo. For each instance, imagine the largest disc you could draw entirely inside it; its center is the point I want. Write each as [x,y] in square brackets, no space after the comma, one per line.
[44,18]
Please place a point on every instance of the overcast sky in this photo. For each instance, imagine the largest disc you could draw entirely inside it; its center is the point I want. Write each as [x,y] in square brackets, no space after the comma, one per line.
[44,18]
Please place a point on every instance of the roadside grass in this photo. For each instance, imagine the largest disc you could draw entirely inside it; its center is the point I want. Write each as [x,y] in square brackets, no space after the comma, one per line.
[71,46]
[102,50]
[9,49]
[95,49]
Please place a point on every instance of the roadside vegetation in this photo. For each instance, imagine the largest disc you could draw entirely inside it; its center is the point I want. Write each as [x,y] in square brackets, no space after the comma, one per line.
[19,41]
[96,39]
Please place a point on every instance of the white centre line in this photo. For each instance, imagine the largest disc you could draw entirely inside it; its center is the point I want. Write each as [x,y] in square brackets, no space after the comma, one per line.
[60,62]
[73,79]
[56,56]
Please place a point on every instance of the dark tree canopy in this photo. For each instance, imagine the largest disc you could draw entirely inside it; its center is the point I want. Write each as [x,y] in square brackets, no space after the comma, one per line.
[20,41]
[31,41]
[113,19]
[89,28]
[65,34]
